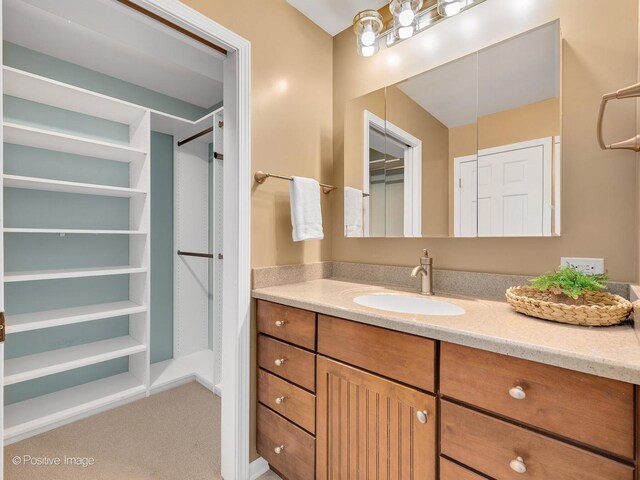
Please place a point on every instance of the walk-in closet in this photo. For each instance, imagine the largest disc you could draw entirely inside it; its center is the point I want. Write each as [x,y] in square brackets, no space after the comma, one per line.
[112,224]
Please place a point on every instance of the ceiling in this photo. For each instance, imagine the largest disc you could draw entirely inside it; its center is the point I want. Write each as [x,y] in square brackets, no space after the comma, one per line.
[115,40]
[517,72]
[333,16]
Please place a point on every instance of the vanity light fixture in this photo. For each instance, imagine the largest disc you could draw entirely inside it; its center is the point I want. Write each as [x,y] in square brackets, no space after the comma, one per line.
[405,17]
[449,8]
[409,18]
[367,25]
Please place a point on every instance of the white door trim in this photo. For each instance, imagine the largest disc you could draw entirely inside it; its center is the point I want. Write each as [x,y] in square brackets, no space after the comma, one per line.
[412,174]
[370,119]
[457,161]
[557,184]
[237,229]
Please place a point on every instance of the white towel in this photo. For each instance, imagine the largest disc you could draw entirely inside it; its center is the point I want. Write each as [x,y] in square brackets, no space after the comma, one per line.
[352,212]
[306,215]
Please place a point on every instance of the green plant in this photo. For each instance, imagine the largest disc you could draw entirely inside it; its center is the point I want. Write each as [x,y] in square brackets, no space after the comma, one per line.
[569,282]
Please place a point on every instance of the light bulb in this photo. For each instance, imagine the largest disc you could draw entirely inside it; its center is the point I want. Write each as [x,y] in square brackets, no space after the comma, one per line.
[367,37]
[367,51]
[406,15]
[405,32]
[449,8]
[452,9]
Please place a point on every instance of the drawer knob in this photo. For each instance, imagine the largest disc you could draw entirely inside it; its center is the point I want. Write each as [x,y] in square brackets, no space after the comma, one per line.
[279,323]
[279,362]
[517,465]
[422,416]
[518,393]
[280,400]
[279,449]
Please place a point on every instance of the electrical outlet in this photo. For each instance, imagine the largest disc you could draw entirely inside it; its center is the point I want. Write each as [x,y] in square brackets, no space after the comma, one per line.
[590,266]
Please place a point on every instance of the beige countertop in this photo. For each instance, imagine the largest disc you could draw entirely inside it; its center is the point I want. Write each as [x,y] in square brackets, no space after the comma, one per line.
[612,352]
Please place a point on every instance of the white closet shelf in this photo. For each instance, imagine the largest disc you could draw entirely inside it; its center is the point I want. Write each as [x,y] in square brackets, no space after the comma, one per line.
[47,185]
[25,322]
[74,230]
[62,142]
[50,410]
[28,86]
[70,273]
[22,369]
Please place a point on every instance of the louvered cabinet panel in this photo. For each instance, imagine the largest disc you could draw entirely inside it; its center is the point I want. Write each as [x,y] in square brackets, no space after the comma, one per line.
[372,428]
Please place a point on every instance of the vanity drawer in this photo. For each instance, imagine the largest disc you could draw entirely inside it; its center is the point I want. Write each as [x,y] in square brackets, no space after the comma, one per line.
[296,460]
[400,356]
[493,447]
[453,471]
[287,323]
[592,410]
[289,362]
[291,402]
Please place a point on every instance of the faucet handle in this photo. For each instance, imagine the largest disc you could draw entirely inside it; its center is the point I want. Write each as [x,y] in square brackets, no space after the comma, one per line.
[425,259]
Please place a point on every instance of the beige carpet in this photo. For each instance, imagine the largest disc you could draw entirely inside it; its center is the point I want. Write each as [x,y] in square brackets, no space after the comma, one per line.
[174,435]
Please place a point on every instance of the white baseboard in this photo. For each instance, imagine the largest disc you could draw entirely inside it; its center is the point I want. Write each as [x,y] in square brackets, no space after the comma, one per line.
[258,467]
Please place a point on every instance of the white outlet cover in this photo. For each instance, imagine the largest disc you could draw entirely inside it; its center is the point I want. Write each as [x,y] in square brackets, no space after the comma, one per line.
[592,266]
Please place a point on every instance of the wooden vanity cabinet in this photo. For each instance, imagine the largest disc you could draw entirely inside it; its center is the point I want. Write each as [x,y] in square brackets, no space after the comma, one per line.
[286,412]
[370,427]
[355,401]
[506,451]
[592,410]
[406,358]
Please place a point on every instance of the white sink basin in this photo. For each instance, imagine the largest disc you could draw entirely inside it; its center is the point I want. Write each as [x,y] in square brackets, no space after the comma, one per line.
[406,304]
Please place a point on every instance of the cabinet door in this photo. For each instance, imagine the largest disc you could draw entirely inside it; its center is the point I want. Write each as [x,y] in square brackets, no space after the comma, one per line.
[372,428]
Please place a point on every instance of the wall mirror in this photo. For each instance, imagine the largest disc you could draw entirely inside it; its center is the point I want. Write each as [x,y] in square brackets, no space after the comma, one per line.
[468,149]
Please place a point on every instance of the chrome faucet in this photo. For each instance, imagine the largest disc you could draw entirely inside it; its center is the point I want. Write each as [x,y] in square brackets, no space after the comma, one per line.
[425,269]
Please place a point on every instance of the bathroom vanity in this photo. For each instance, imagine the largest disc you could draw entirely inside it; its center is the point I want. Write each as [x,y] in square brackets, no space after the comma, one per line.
[347,391]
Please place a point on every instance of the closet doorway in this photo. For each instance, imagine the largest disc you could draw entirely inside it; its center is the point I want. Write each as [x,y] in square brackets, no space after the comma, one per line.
[125,241]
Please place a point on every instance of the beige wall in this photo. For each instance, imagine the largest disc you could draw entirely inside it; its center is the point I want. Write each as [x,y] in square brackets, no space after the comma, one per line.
[600,54]
[291,95]
[373,102]
[403,112]
[537,120]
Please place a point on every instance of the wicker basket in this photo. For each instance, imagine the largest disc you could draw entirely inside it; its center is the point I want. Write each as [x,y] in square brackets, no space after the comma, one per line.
[600,308]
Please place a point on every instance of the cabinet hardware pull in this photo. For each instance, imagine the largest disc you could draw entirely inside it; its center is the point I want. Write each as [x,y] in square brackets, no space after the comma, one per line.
[518,465]
[280,400]
[279,323]
[422,416]
[518,393]
[279,449]
[279,362]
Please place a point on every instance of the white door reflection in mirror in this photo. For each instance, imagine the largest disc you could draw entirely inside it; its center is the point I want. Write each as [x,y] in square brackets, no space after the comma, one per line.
[514,188]
[392,178]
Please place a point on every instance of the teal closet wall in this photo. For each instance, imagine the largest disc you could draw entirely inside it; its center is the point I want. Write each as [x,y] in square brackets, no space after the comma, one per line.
[162,252]
[49,209]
